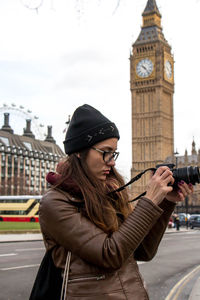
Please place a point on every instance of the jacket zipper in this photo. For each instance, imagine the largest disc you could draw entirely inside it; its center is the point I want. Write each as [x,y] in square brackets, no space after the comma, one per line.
[101,277]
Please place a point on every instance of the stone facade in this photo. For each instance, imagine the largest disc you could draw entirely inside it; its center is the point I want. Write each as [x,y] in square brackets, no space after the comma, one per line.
[25,161]
[184,161]
[152,88]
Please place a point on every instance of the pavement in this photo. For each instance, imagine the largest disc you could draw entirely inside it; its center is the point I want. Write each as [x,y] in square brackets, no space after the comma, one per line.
[20,237]
[195,294]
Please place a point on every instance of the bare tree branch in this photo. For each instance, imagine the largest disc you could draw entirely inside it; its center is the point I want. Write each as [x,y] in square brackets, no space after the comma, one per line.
[118,3]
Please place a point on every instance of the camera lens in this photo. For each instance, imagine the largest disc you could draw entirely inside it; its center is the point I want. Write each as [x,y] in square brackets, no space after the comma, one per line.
[188,174]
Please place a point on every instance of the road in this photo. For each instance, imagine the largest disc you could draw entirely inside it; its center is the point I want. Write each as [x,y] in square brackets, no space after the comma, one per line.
[18,267]
[177,257]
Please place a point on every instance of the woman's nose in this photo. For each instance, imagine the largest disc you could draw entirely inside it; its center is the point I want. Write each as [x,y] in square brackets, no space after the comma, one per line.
[111,163]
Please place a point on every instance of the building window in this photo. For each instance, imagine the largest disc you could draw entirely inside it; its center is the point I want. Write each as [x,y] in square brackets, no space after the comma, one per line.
[5,140]
[28,145]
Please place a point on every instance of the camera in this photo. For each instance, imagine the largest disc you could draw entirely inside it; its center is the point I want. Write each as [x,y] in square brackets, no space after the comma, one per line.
[188,174]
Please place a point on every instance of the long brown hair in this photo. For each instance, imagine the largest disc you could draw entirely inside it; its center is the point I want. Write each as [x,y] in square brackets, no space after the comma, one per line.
[101,209]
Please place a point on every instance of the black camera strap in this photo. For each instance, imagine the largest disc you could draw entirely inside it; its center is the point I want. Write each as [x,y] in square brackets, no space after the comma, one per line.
[143,194]
[138,176]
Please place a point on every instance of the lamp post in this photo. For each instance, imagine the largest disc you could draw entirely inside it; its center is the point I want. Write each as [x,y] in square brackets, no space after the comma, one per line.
[176,157]
[186,211]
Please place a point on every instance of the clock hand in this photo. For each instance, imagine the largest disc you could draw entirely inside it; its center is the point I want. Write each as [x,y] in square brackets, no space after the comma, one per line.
[144,67]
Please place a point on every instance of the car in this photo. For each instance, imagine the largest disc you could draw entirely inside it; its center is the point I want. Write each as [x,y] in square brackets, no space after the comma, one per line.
[194,221]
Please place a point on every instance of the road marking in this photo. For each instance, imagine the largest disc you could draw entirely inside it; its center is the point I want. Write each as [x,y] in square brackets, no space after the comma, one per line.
[19,267]
[176,290]
[8,254]
[30,249]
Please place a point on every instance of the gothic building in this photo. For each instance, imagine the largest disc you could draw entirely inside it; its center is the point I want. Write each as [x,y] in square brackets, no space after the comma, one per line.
[25,161]
[184,161]
[152,89]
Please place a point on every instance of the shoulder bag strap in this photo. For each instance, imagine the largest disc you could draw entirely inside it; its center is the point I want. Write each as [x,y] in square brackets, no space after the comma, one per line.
[65,277]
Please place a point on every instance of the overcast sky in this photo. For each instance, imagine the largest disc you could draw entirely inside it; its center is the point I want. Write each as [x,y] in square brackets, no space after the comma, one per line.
[73,52]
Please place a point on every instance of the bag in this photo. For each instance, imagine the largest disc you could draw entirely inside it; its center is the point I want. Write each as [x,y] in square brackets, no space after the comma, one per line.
[49,283]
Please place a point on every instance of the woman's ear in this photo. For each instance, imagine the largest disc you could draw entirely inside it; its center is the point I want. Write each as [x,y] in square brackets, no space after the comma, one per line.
[78,155]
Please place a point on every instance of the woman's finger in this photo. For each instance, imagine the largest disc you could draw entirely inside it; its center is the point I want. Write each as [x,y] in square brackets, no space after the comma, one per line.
[167,177]
[161,170]
[185,188]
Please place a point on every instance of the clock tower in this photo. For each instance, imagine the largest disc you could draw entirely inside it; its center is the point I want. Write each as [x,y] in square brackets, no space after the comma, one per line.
[152,88]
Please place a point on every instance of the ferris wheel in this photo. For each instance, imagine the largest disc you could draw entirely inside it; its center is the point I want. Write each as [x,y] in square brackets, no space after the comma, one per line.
[32,4]
[17,120]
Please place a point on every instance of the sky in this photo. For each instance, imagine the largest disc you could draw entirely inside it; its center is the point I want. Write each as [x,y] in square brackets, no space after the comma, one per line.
[56,55]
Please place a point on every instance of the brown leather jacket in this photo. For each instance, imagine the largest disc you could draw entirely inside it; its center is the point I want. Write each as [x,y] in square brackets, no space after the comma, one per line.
[102,267]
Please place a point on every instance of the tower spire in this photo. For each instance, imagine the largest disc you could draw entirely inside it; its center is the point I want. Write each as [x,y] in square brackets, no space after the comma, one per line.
[151,7]
[151,15]
[194,152]
[151,25]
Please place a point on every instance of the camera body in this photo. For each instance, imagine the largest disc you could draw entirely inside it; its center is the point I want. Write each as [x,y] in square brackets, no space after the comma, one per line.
[188,174]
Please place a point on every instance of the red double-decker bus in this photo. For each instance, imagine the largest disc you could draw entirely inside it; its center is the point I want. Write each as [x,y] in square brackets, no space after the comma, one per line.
[19,208]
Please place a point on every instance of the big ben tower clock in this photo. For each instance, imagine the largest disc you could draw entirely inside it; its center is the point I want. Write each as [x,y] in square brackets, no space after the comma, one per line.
[152,88]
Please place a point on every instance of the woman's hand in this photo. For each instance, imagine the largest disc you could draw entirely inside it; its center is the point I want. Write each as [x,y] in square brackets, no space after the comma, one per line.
[179,194]
[158,187]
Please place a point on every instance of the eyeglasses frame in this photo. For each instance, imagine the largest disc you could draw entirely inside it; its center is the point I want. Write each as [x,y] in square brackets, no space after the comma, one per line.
[104,153]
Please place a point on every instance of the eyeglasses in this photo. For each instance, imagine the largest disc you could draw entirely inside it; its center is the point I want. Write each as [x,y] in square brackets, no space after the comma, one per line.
[107,155]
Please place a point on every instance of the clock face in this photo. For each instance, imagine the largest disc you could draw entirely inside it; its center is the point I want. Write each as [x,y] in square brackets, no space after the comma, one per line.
[168,69]
[144,68]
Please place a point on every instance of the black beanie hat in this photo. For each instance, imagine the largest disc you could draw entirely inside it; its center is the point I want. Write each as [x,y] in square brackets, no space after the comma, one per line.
[87,127]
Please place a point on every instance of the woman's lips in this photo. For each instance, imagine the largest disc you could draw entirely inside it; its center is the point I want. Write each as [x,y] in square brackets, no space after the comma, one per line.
[106,172]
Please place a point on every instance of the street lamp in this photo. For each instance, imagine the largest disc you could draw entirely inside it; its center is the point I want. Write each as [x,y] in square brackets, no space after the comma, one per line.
[186,211]
[176,153]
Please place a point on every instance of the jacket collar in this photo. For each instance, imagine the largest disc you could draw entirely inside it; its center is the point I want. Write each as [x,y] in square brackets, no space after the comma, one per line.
[68,186]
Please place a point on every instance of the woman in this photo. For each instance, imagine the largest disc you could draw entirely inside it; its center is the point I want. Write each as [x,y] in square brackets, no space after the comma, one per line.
[104,234]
